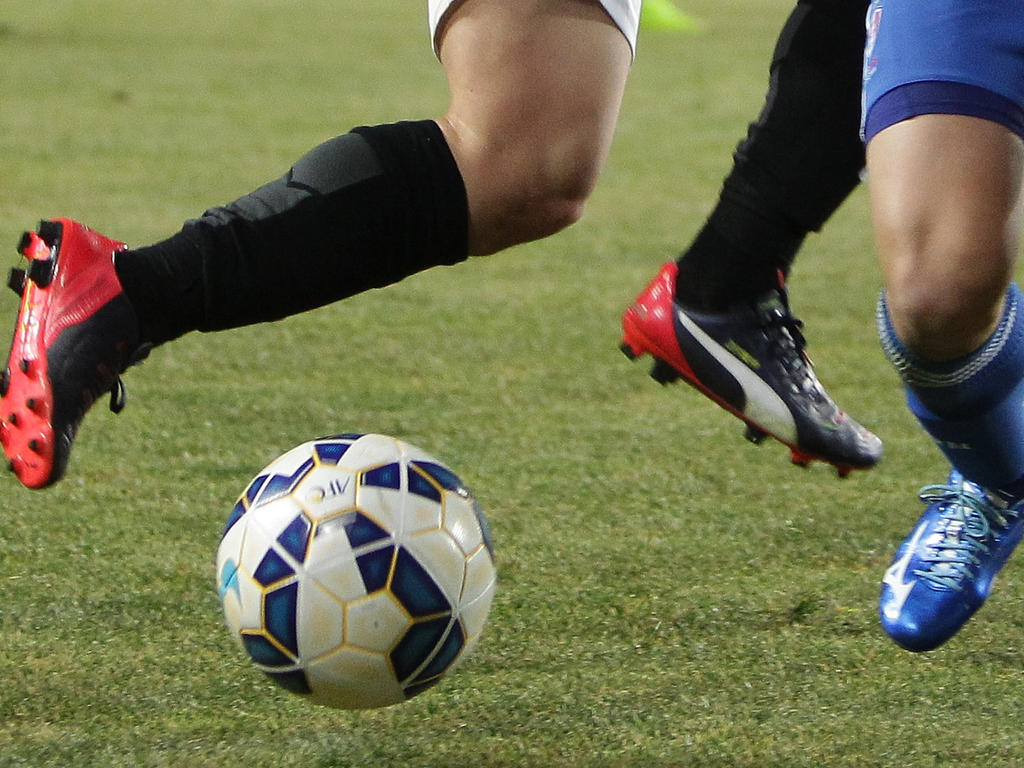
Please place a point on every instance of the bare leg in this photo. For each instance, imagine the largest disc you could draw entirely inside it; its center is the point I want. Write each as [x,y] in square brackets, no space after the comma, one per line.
[536,87]
[946,202]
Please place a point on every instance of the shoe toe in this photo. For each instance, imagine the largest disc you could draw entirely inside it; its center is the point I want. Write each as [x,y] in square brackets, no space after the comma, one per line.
[926,619]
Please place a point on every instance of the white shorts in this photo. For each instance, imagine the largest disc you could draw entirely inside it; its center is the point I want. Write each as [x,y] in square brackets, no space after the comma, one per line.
[625,14]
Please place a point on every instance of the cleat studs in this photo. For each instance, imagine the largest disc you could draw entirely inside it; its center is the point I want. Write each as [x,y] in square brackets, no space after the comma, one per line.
[40,271]
[628,351]
[31,403]
[800,458]
[844,471]
[33,445]
[24,365]
[118,396]
[10,466]
[663,373]
[50,232]
[5,382]
[33,247]
[755,435]
[13,419]
[16,281]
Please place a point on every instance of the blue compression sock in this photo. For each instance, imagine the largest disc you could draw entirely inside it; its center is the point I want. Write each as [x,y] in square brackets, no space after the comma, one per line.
[973,407]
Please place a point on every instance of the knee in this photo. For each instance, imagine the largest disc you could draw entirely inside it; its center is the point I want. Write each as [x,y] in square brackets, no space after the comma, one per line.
[540,200]
[527,198]
[943,305]
[523,189]
[938,324]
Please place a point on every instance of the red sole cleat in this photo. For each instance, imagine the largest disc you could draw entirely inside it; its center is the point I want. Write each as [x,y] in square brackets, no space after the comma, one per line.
[74,334]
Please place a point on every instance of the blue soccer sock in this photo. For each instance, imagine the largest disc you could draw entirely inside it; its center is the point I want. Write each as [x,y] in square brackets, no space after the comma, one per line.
[972,407]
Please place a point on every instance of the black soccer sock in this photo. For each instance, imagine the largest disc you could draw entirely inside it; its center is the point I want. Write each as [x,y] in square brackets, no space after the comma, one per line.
[360,211]
[799,161]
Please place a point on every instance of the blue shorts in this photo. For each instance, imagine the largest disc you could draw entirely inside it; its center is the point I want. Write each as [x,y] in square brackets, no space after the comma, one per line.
[960,57]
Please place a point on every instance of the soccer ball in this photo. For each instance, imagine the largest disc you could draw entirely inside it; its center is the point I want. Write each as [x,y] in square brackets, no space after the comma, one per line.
[356,570]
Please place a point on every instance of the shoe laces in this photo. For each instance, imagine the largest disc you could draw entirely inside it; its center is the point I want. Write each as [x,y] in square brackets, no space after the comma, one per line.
[775,313]
[784,331]
[970,524]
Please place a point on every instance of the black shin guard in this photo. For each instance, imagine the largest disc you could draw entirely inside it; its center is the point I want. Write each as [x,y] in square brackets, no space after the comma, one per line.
[800,160]
[360,211]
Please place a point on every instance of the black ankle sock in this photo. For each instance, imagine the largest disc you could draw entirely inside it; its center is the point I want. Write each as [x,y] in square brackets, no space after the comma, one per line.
[736,257]
[360,211]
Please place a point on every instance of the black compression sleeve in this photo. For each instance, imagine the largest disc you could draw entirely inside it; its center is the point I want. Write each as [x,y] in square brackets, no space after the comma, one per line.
[360,211]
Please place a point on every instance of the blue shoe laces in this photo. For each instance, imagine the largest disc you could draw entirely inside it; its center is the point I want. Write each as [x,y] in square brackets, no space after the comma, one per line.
[971,521]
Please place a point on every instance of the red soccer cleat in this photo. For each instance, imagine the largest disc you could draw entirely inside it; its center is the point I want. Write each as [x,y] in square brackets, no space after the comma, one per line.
[751,361]
[76,332]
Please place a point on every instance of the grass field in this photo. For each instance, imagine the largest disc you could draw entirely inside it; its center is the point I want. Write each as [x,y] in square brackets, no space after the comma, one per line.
[669,595]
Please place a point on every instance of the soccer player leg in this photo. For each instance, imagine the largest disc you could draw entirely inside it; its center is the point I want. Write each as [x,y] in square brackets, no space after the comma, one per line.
[800,159]
[360,211]
[536,87]
[719,318]
[946,204]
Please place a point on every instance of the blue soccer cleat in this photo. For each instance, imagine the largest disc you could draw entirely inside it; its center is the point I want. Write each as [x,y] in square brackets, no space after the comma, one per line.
[751,361]
[944,569]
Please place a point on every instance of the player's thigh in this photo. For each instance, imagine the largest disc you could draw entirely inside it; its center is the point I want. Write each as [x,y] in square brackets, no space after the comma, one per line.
[540,67]
[536,87]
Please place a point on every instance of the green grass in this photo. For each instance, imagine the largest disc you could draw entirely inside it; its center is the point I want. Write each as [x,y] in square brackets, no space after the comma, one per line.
[669,595]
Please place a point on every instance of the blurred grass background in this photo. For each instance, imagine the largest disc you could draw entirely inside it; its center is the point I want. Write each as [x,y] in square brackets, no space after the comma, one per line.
[669,595]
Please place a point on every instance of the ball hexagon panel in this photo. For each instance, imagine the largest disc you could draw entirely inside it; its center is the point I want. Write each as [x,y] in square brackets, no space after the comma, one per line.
[415,589]
[280,618]
[386,507]
[330,451]
[358,528]
[321,614]
[294,539]
[375,622]
[441,475]
[262,529]
[447,563]
[444,656]
[462,522]
[326,491]
[272,569]
[265,651]
[473,608]
[242,598]
[230,592]
[373,450]
[418,646]
[352,678]
[336,572]
[375,567]
[421,484]
[420,514]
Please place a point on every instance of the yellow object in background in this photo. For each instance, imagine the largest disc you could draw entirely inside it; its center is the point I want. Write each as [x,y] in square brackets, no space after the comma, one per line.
[663,14]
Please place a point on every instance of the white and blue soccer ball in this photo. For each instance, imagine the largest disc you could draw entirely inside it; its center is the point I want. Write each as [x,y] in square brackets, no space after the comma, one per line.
[356,570]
